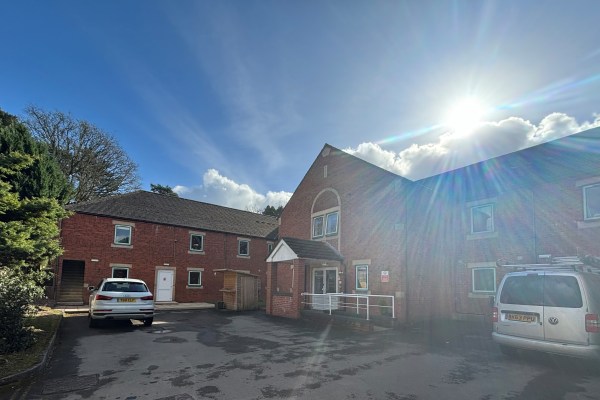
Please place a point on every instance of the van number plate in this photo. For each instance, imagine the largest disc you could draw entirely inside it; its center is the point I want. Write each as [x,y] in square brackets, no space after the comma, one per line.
[126,300]
[521,317]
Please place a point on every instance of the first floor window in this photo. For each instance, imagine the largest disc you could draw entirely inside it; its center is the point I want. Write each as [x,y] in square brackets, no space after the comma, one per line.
[362,277]
[269,248]
[120,272]
[482,219]
[243,247]
[591,201]
[196,242]
[331,227]
[318,226]
[194,278]
[484,280]
[122,234]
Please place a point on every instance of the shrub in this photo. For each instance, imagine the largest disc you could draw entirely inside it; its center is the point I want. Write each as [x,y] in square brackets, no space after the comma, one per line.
[18,293]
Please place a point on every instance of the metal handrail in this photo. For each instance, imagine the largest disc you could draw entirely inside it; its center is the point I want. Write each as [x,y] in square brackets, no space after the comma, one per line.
[358,305]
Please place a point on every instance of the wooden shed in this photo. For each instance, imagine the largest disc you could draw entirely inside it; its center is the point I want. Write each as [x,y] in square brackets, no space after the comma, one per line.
[240,289]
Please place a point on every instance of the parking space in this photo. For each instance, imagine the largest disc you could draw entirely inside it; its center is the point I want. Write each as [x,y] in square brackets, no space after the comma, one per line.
[215,355]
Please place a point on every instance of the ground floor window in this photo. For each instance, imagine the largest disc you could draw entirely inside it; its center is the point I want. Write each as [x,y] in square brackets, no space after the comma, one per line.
[362,277]
[484,280]
[120,272]
[195,277]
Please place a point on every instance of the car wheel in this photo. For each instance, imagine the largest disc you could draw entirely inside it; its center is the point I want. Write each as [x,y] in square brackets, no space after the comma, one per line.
[148,321]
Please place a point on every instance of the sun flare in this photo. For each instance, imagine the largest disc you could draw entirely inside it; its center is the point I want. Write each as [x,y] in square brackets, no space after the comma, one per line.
[465,115]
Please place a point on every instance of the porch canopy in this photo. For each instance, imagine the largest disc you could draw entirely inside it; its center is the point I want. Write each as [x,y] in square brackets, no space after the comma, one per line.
[289,249]
[296,266]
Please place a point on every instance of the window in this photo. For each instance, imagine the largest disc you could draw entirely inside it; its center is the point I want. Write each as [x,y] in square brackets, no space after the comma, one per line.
[269,248]
[243,247]
[362,277]
[540,290]
[318,226]
[120,272]
[591,201]
[484,280]
[195,278]
[524,290]
[331,227]
[482,219]
[123,234]
[196,242]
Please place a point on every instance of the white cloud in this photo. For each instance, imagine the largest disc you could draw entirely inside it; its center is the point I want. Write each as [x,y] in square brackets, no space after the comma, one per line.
[451,151]
[218,189]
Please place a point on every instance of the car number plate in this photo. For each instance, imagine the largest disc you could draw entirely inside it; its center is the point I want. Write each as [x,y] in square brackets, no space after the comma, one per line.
[521,317]
[126,300]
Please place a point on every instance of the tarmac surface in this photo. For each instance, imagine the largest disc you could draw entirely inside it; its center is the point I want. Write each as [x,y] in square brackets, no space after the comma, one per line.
[210,354]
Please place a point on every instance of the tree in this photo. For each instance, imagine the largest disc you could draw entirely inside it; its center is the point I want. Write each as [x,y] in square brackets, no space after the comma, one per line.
[91,159]
[42,177]
[271,210]
[28,235]
[163,189]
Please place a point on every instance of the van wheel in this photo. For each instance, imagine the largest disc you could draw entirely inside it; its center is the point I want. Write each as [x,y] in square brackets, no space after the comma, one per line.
[148,321]
[508,351]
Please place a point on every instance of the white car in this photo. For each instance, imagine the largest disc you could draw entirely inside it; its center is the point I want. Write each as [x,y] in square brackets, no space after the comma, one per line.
[121,298]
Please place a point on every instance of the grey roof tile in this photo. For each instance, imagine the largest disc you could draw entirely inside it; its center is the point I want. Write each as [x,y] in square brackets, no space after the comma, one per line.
[313,249]
[171,210]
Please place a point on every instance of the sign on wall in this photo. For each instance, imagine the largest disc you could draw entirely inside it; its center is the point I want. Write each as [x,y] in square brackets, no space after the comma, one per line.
[385,276]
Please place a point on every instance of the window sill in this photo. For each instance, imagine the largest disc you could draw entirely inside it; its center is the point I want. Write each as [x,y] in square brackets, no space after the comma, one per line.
[591,223]
[241,256]
[194,287]
[481,295]
[121,246]
[483,235]
[201,252]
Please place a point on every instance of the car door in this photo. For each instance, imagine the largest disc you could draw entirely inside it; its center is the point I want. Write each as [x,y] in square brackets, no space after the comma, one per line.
[520,307]
[564,311]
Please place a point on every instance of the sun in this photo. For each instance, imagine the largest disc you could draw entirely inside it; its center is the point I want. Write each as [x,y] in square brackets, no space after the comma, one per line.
[465,115]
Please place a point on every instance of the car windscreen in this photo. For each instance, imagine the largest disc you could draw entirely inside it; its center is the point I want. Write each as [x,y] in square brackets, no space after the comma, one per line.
[523,289]
[116,286]
[562,291]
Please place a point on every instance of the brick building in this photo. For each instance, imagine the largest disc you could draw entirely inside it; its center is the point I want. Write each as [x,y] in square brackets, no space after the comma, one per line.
[171,243]
[435,244]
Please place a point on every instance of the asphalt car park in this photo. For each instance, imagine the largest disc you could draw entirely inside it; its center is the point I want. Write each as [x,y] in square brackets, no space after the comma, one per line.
[221,355]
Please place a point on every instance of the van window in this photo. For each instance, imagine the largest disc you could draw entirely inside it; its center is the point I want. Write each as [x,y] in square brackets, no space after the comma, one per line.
[523,289]
[562,291]
[594,289]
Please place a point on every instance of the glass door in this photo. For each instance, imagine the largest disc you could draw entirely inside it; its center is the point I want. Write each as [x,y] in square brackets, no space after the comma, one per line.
[325,281]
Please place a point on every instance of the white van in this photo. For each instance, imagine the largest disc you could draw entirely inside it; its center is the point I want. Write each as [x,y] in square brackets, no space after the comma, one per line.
[553,311]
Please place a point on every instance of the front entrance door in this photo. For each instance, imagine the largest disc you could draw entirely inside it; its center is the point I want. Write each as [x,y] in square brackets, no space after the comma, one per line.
[325,281]
[164,285]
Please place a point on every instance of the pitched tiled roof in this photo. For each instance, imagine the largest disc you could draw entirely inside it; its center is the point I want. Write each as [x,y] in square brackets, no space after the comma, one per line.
[313,249]
[171,210]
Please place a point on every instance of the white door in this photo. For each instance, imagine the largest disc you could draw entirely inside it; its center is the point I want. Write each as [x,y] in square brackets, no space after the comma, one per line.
[164,285]
[325,281]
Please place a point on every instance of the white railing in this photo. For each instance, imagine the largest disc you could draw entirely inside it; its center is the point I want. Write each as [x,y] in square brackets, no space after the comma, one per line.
[334,301]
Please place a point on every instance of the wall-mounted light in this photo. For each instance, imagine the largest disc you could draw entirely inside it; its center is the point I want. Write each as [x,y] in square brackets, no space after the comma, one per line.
[94,260]
[166,264]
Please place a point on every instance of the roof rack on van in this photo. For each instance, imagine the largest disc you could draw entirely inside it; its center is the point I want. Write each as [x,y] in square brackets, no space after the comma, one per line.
[572,263]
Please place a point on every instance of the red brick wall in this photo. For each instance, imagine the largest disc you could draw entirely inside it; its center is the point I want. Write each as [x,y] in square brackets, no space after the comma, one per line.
[372,219]
[85,237]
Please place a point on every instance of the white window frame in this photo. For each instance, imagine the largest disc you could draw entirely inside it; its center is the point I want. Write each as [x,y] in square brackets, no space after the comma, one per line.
[128,227]
[199,271]
[201,249]
[322,218]
[476,269]
[240,247]
[337,223]
[356,267]
[116,267]
[493,216]
[587,217]
[269,248]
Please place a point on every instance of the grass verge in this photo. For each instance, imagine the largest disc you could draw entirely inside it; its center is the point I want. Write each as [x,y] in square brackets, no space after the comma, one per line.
[46,323]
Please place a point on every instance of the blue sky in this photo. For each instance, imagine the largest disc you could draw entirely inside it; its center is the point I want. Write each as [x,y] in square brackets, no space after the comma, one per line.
[231,101]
